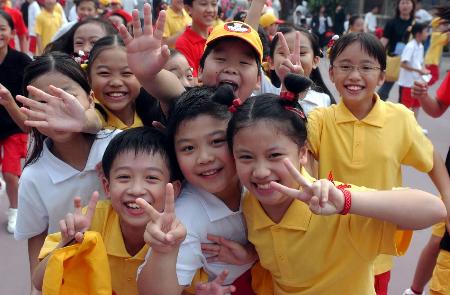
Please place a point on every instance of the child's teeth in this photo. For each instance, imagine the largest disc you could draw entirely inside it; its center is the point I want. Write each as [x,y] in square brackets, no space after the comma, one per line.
[210,172]
[116,94]
[133,206]
[264,186]
[354,87]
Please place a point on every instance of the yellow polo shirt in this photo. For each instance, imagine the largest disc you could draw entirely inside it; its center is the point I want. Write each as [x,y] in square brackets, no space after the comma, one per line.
[47,24]
[437,42]
[309,254]
[111,121]
[368,152]
[123,266]
[175,22]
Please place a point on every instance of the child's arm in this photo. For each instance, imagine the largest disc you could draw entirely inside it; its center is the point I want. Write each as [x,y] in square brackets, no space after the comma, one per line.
[147,56]
[433,107]
[406,66]
[8,102]
[38,44]
[72,229]
[441,180]
[215,287]
[58,110]
[407,208]
[254,13]
[164,233]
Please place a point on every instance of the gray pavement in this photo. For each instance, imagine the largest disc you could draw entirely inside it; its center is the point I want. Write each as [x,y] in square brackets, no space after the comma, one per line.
[14,278]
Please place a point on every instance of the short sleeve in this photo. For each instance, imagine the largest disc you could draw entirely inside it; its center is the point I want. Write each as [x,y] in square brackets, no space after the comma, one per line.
[407,53]
[443,92]
[189,259]
[32,215]
[420,151]
[388,30]
[314,127]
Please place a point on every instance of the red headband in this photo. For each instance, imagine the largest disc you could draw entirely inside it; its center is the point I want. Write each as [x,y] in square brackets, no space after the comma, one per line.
[298,112]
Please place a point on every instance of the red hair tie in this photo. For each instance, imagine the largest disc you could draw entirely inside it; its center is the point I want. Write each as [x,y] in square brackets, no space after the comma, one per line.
[234,105]
[287,95]
[298,112]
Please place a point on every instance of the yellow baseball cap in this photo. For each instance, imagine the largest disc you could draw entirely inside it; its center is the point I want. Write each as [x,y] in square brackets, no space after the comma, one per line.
[238,30]
[267,19]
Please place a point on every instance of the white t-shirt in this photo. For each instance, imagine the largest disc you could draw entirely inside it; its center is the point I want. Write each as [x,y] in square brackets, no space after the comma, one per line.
[73,16]
[371,21]
[33,11]
[413,54]
[47,188]
[203,213]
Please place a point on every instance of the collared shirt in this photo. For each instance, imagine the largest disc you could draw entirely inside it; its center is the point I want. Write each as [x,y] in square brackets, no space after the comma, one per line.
[369,152]
[111,121]
[122,265]
[312,254]
[175,22]
[47,188]
[47,24]
[191,45]
[203,213]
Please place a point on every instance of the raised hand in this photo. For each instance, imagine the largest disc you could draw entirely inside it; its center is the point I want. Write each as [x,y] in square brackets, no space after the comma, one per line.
[164,232]
[76,223]
[145,53]
[291,63]
[57,110]
[322,196]
[227,251]
[215,287]
[6,98]
[419,90]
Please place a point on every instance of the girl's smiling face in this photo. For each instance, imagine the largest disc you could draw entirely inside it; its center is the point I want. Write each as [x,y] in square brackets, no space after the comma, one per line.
[5,33]
[86,35]
[259,150]
[356,75]
[112,81]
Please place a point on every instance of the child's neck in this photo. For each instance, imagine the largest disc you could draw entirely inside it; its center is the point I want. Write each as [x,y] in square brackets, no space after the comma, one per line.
[405,16]
[178,11]
[231,196]
[200,29]
[126,115]
[74,152]
[360,110]
[49,9]
[133,238]
[276,213]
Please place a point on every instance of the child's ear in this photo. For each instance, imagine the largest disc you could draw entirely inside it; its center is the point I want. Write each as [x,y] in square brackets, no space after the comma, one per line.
[188,9]
[303,155]
[381,78]
[91,99]
[200,73]
[176,188]
[316,61]
[105,184]
[331,73]
[271,63]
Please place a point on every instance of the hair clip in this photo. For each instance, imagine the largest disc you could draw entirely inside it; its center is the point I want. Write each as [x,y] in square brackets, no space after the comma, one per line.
[288,95]
[331,44]
[234,105]
[81,58]
[298,112]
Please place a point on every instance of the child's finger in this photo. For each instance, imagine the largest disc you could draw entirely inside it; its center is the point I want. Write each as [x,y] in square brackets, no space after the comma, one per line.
[159,26]
[284,45]
[229,289]
[169,206]
[136,23]
[125,35]
[91,205]
[34,116]
[210,248]
[79,236]
[63,229]
[42,96]
[221,277]
[70,223]
[325,189]
[287,191]
[296,174]
[77,205]
[314,205]
[148,27]
[35,124]
[151,212]
[36,105]
[296,54]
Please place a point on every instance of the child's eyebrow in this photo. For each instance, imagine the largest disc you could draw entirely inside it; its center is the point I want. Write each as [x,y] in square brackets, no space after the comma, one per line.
[151,168]
[217,132]
[361,61]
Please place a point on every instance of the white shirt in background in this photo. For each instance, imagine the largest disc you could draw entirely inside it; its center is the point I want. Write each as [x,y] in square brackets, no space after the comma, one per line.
[371,21]
[33,11]
[413,54]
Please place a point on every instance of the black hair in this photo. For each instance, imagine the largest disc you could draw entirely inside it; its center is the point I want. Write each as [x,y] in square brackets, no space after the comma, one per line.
[443,11]
[353,18]
[240,16]
[412,13]
[146,140]
[106,42]
[211,46]
[369,45]
[188,2]
[315,76]
[287,115]
[65,42]
[418,28]
[78,2]
[8,19]
[197,101]
[44,64]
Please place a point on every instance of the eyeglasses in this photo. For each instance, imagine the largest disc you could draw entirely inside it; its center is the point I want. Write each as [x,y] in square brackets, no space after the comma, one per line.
[347,69]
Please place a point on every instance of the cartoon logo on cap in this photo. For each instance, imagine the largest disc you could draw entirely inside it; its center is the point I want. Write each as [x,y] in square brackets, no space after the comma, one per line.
[237,27]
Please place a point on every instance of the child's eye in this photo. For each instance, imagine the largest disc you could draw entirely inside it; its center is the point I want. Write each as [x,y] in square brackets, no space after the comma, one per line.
[152,177]
[123,176]
[103,74]
[187,148]
[218,141]
[221,59]
[245,157]
[244,63]
[275,155]
[127,74]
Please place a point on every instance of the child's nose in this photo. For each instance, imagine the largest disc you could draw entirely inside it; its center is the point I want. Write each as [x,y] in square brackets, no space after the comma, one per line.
[261,171]
[137,188]
[115,81]
[230,70]
[204,156]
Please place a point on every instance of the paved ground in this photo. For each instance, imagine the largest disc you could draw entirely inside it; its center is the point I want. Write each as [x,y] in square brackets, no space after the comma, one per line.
[14,278]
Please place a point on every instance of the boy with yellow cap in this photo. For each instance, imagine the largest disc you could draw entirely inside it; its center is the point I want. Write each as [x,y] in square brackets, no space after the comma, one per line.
[269,23]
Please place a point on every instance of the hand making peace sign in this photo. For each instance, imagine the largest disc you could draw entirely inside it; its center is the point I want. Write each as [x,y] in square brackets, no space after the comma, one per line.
[322,196]
[291,63]
[76,223]
[164,232]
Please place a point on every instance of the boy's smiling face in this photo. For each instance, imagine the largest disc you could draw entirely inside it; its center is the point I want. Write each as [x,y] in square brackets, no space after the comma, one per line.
[202,12]
[232,61]
[136,175]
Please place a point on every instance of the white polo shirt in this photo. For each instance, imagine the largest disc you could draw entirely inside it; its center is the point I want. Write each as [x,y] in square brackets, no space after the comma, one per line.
[413,54]
[203,213]
[47,188]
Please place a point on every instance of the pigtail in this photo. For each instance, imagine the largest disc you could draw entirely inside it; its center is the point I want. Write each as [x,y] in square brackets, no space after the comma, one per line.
[224,95]
[295,84]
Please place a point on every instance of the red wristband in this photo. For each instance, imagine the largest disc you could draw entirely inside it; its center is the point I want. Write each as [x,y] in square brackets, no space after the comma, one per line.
[347,200]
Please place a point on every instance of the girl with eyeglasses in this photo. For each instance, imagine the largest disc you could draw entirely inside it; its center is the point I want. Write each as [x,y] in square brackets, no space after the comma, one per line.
[364,140]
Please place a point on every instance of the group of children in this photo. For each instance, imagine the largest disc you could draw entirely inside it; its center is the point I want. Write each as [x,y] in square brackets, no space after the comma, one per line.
[208,188]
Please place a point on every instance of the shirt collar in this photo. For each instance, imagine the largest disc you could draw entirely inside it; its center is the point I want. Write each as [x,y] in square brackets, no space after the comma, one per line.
[193,36]
[112,121]
[376,116]
[113,239]
[60,171]
[214,207]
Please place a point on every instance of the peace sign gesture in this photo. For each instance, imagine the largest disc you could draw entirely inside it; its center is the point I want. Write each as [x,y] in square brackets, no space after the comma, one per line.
[164,232]
[145,53]
[322,196]
[291,62]
[76,223]
[56,109]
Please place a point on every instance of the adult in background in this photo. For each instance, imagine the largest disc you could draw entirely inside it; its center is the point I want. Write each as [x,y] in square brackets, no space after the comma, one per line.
[321,23]
[396,33]
[370,20]
[339,20]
